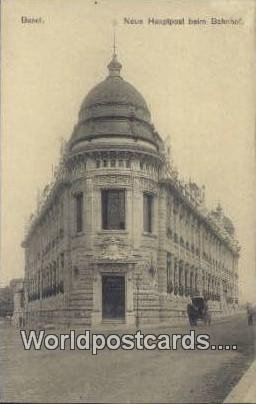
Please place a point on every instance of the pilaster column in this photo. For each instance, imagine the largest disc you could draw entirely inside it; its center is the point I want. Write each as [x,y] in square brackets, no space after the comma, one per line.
[176,274]
[186,277]
[196,280]
[172,268]
[181,276]
[193,280]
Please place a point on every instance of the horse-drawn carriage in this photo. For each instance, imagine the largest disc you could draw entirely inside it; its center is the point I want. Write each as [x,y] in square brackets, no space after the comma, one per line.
[198,310]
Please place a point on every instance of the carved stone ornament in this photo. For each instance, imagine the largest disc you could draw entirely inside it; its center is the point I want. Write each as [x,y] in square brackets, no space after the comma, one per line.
[151,268]
[114,249]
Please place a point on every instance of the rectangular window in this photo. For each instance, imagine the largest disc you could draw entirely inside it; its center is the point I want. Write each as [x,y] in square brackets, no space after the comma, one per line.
[169,268]
[79,212]
[147,212]
[113,209]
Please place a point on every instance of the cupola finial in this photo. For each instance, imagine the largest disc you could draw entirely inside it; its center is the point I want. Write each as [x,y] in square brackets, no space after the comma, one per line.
[114,66]
[114,37]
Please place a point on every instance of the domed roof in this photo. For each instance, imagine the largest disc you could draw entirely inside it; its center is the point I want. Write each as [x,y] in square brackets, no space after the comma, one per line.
[228,225]
[225,220]
[114,92]
[114,108]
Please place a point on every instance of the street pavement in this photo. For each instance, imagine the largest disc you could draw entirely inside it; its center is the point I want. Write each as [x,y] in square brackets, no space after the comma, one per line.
[128,376]
[245,390]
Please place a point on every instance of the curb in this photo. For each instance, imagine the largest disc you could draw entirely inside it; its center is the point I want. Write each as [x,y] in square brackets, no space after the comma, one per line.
[245,390]
[121,328]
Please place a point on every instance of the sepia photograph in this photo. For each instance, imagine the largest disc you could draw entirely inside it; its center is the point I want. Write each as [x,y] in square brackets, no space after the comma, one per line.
[128,201]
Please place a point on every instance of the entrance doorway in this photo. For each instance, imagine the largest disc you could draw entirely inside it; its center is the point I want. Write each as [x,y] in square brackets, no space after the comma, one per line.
[113,296]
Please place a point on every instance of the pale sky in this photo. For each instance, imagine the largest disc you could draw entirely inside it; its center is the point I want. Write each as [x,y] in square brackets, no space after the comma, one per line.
[198,81]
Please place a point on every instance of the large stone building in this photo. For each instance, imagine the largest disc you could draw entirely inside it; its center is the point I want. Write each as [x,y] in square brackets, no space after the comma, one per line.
[117,235]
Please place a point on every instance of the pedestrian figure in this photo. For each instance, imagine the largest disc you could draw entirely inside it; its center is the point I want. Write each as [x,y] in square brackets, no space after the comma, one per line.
[206,312]
[191,311]
[249,314]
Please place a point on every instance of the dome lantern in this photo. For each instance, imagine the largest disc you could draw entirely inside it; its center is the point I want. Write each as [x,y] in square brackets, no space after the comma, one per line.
[114,67]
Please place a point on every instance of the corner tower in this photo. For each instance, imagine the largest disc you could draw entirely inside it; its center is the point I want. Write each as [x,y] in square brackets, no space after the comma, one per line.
[115,158]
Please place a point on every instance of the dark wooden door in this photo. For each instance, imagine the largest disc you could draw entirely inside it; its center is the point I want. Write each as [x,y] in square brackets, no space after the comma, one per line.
[113,296]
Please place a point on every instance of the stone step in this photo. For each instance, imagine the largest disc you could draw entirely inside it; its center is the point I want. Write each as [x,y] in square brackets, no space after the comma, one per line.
[148,321]
[81,296]
[83,305]
[82,286]
[147,292]
[77,313]
[147,306]
[83,292]
[148,311]
[80,307]
[81,321]
[81,302]
[113,321]
[81,299]
[146,298]
[85,281]
[84,298]
[85,276]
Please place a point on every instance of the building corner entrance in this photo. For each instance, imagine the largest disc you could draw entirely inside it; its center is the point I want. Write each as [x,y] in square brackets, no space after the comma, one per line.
[113,297]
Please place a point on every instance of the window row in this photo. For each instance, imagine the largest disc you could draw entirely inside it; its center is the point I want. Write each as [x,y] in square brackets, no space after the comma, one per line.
[113,163]
[183,282]
[113,210]
[47,291]
[124,163]
[48,282]
[48,233]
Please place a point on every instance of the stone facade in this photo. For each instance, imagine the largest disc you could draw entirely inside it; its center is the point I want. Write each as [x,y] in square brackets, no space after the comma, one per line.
[18,302]
[169,247]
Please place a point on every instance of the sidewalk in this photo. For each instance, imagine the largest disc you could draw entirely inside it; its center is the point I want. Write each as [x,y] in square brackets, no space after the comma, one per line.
[120,327]
[245,390]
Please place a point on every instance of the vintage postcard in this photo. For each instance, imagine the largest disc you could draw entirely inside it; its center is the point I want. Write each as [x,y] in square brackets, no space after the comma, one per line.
[128,201]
